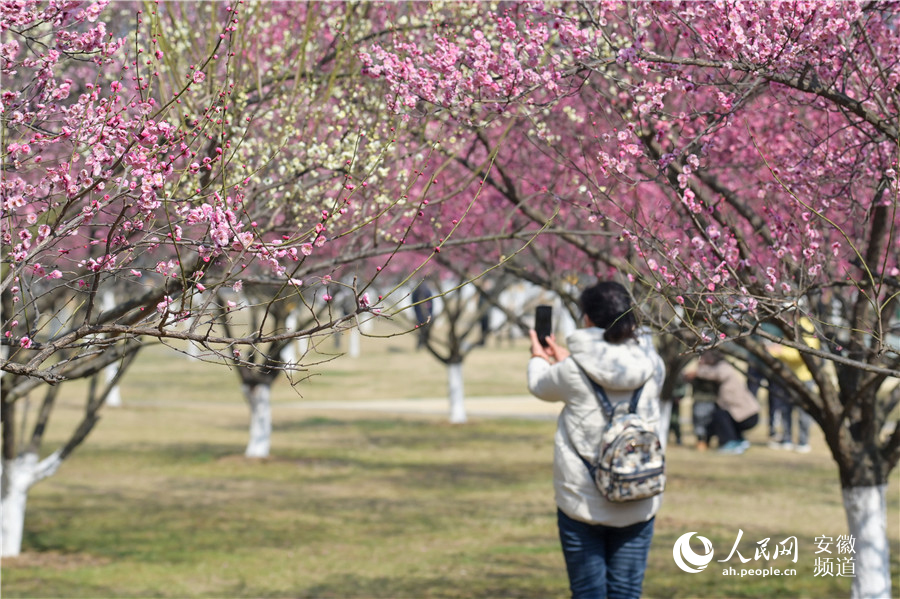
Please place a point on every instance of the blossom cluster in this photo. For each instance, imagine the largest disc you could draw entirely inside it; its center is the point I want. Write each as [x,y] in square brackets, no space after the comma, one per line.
[491,67]
[112,164]
[728,105]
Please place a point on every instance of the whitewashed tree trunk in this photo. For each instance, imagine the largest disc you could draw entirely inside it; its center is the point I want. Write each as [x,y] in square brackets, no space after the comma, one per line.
[114,398]
[259,398]
[18,476]
[194,350]
[354,344]
[457,393]
[566,325]
[665,419]
[866,509]
[290,354]
[302,345]
[366,323]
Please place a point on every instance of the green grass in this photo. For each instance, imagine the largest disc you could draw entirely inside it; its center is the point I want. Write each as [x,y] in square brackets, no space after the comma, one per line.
[159,502]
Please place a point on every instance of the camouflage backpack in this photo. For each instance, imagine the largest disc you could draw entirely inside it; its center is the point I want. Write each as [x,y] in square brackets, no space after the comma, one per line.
[631,464]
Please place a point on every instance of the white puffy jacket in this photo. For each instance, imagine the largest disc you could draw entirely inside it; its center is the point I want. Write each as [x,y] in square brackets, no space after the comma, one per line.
[619,369]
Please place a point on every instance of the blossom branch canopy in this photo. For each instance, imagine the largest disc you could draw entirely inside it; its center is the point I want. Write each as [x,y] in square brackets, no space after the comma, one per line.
[747,151]
[172,164]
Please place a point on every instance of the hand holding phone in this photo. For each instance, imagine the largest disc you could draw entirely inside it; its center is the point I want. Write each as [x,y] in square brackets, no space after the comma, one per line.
[543,323]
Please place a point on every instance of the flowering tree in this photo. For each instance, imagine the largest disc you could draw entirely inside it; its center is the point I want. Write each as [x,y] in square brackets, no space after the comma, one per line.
[193,153]
[746,154]
[449,311]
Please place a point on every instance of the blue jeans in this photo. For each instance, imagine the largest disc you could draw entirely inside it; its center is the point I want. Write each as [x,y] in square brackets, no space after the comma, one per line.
[728,429]
[780,402]
[604,561]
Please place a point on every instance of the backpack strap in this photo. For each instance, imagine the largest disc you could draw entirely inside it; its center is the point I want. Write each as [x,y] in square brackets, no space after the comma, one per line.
[607,407]
[603,398]
[592,468]
[635,398]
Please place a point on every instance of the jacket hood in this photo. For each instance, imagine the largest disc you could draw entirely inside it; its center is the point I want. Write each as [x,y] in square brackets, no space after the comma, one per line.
[614,366]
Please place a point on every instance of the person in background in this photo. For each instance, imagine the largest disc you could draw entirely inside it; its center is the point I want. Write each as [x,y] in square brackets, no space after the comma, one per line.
[423,306]
[736,408]
[672,406]
[785,401]
[605,544]
[781,412]
[777,397]
[704,393]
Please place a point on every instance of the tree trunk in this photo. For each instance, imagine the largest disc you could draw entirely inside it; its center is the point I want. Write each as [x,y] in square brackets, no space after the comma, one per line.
[457,395]
[258,396]
[354,344]
[17,477]
[665,420]
[864,475]
[289,354]
[193,351]
[866,509]
[114,398]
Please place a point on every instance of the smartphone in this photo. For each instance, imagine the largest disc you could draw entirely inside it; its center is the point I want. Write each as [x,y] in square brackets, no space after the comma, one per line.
[543,323]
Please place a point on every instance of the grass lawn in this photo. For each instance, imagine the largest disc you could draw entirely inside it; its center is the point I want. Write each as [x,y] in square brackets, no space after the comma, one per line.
[160,502]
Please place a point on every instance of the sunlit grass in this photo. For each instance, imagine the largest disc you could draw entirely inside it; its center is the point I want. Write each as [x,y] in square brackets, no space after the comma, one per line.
[160,502]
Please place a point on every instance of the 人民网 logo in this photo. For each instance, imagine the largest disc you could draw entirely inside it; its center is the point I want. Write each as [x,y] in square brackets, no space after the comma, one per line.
[686,558]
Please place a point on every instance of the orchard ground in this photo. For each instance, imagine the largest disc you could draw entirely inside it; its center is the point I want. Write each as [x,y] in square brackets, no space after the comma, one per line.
[371,493]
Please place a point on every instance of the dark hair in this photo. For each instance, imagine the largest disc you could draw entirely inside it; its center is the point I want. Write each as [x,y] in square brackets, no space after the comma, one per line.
[608,305]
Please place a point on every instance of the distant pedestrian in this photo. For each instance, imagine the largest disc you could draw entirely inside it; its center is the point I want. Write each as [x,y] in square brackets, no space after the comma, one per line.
[672,406]
[781,416]
[423,306]
[486,298]
[785,402]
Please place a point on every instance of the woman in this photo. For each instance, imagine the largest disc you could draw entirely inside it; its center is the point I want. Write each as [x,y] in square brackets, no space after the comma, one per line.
[737,409]
[605,544]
